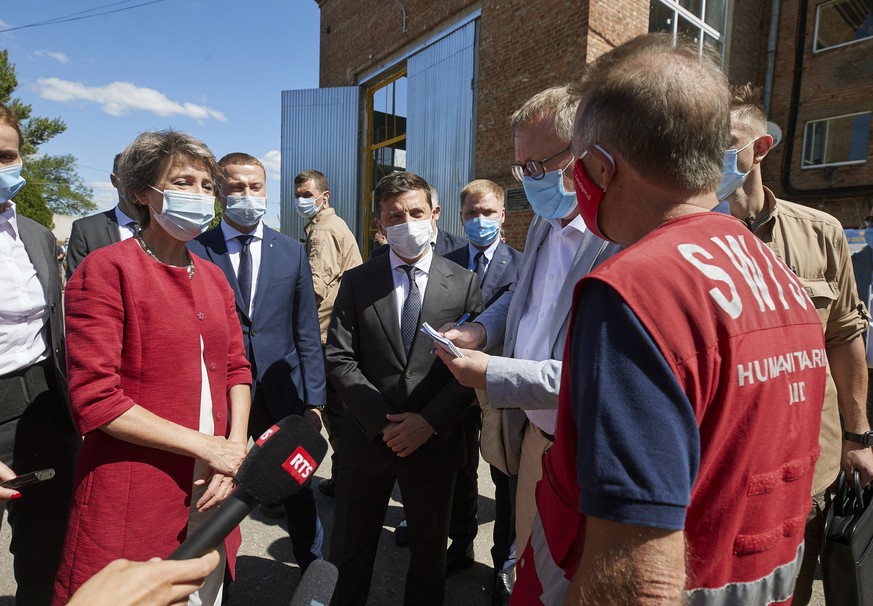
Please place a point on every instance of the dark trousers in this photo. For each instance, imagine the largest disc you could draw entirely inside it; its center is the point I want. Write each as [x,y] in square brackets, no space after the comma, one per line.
[301,515]
[36,433]
[360,506]
[463,524]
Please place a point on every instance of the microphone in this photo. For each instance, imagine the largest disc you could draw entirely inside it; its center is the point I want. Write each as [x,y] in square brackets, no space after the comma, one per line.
[280,463]
[317,585]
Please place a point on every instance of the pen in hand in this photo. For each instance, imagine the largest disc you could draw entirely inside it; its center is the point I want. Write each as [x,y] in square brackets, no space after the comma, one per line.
[460,321]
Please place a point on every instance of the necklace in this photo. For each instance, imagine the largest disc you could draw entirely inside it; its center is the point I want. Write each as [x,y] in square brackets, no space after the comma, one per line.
[148,251]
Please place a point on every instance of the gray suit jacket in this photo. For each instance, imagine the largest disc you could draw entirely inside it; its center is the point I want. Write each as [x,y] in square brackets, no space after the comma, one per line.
[526,384]
[40,246]
[367,365]
[90,233]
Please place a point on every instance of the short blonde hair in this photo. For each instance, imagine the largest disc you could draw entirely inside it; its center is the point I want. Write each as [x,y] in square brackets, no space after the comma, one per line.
[480,187]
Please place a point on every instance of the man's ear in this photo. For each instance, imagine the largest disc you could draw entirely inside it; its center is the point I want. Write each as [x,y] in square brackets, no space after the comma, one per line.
[435,213]
[326,195]
[379,226]
[604,167]
[762,145]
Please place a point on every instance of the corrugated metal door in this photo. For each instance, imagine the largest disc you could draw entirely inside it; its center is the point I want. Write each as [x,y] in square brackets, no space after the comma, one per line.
[440,125]
[320,131]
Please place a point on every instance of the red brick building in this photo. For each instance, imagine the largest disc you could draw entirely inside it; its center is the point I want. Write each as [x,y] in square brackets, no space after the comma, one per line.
[431,85]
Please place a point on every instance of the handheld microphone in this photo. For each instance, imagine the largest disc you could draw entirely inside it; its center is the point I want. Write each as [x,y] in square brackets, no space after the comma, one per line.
[317,585]
[280,463]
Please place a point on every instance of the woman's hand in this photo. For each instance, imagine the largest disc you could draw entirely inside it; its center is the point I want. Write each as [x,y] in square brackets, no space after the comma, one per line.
[222,455]
[220,487]
[7,493]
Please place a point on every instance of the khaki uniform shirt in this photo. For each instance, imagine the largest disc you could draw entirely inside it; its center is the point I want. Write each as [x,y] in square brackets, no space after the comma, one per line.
[332,249]
[812,243]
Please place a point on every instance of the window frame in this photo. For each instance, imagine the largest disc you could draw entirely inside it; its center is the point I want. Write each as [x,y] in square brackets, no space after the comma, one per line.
[815,49]
[704,28]
[808,123]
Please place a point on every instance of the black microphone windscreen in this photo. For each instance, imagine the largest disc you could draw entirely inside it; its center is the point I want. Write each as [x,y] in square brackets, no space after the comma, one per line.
[316,586]
[282,460]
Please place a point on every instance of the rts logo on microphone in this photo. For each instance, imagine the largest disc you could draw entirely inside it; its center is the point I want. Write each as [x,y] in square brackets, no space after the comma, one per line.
[299,465]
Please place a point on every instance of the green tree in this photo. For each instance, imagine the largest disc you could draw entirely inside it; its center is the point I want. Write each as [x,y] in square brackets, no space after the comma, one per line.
[53,186]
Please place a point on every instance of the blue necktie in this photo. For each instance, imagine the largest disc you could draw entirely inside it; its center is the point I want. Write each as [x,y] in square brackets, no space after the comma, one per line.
[411,310]
[244,273]
[479,259]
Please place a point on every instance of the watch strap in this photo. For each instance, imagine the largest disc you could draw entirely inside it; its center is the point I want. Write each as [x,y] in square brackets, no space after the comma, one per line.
[865,438]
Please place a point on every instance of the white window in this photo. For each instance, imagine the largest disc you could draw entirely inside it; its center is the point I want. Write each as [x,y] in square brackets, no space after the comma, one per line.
[704,21]
[836,141]
[842,22]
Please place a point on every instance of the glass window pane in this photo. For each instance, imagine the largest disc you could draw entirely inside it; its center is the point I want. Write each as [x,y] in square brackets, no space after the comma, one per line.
[695,7]
[661,18]
[715,15]
[843,22]
[389,111]
[688,29]
[836,140]
[716,44]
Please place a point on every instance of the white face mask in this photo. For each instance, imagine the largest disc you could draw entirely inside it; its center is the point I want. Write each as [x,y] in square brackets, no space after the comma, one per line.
[731,177]
[185,215]
[410,240]
[307,207]
[245,210]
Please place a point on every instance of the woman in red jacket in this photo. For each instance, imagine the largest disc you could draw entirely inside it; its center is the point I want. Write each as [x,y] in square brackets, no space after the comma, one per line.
[159,382]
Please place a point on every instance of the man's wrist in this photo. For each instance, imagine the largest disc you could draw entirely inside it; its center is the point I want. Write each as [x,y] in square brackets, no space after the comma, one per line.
[865,438]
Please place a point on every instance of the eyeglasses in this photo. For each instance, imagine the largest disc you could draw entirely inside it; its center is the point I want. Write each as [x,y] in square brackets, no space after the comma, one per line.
[535,169]
[868,221]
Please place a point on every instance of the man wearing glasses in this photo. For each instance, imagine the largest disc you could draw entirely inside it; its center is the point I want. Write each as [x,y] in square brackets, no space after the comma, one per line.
[531,320]
[814,246]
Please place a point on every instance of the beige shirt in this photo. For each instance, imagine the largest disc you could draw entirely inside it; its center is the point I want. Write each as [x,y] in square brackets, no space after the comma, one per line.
[332,250]
[813,244]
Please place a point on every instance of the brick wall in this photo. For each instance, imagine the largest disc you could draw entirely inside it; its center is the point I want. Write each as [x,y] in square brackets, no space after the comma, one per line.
[526,46]
[834,82]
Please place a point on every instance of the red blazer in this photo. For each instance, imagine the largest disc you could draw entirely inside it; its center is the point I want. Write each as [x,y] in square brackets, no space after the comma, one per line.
[133,331]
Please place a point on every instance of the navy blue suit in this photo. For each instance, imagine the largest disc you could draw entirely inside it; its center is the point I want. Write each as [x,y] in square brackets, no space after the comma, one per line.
[500,273]
[283,343]
[862,263]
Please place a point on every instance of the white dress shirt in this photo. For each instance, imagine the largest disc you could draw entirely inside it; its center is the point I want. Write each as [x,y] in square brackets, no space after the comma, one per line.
[23,306]
[401,281]
[489,254]
[126,225]
[554,259]
[234,248]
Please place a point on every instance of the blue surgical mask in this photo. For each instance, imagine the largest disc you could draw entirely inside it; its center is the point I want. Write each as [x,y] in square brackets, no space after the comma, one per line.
[731,177]
[11,181]
[307,207]
[245,210]
[185,215]
[482,231]
[547,195]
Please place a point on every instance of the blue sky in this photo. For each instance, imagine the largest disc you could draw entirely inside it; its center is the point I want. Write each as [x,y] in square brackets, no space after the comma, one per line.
[212,68]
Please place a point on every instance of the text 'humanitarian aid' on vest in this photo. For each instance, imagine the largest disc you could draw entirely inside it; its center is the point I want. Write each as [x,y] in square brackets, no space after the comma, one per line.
[772,367]
[768,285]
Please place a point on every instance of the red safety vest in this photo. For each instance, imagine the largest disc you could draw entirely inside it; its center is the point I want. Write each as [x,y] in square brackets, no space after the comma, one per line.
[746,345]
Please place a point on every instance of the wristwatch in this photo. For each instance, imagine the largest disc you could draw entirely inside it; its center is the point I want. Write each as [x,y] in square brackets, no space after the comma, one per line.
[865,438]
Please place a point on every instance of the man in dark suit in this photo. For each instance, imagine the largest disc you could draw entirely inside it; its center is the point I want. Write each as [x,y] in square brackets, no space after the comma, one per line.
[443,242]
[406,405]
[36,429]
[275,301]
[496,265]
[96,231]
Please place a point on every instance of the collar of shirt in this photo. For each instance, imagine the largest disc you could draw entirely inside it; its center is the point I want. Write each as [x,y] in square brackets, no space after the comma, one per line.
[489,254]
[8,220]
[578,224]
[230,234]
[422,265]
[122,218]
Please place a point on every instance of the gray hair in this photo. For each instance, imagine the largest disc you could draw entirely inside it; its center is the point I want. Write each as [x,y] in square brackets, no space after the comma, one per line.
[556,103]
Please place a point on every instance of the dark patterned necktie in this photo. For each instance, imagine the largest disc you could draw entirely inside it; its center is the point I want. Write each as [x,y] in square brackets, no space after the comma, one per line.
[244,273]
[411,310]
[479,259]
